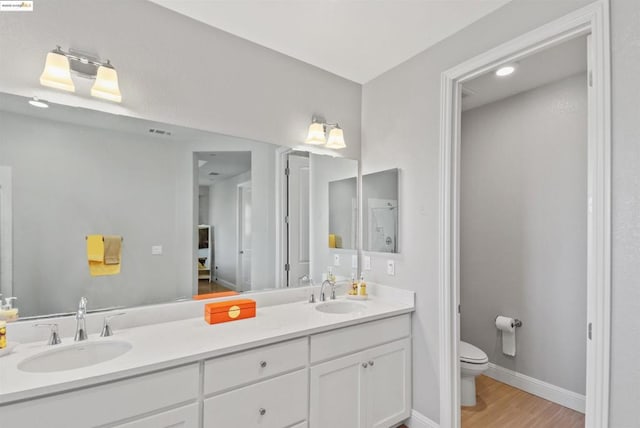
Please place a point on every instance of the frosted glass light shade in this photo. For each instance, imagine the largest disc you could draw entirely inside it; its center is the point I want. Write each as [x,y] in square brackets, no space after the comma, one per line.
[316,134]
[106,85]
[336,139]
[57,73]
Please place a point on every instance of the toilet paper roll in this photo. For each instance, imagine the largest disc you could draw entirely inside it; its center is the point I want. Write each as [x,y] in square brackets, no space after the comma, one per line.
[508,328]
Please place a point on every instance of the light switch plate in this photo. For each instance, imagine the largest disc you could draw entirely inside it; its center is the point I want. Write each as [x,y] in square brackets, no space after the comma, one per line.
[336,259]
[366,262]
[156,250]
[391,267]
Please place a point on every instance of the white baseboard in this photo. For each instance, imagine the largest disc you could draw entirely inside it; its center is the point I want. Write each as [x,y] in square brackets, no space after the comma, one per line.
[226,284]
[418,420]
[545,390]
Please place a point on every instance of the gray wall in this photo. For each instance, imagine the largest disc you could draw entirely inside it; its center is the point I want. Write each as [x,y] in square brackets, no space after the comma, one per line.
[173,69]
[401,129]
[523,227]
[625,328]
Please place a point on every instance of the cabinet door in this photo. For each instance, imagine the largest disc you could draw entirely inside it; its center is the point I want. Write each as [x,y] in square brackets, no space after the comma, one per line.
[336,393]
[182,417]
[388,384]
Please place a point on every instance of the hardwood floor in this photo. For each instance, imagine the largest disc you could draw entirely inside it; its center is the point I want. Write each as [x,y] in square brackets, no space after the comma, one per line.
[500,405]
[206,287]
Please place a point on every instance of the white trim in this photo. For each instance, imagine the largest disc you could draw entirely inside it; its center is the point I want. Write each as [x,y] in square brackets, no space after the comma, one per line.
[594,20]
[281,156]
[545,390]
[227,284]
[418,420]
[6,232]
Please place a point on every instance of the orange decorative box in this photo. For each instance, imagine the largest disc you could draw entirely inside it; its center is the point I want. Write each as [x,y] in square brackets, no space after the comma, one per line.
[231,310]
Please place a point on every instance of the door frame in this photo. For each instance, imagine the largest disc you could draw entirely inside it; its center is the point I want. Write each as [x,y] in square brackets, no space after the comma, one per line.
[240,190]
[6,232]
[590,20]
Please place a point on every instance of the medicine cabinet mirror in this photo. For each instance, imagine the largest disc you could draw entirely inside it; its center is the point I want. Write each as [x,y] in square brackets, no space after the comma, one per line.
[380,211]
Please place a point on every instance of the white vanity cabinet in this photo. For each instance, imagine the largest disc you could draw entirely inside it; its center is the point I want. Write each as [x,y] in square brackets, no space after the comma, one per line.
[357,376]
[364,389]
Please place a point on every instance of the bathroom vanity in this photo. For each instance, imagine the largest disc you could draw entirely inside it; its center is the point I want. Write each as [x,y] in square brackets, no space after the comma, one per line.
[295,364]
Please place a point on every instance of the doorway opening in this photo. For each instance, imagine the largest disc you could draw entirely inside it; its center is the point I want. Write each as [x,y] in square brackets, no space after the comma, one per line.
[589,21]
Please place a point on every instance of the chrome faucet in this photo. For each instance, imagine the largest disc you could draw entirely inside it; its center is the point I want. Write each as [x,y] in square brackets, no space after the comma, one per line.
[333,290]
[81,326]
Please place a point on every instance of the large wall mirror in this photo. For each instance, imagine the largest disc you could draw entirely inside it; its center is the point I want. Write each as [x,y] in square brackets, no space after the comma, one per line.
[380,211]
[198,212]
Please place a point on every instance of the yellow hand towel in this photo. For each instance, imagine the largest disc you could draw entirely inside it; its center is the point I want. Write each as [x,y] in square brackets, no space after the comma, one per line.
[112,249]
[95,256]
[332,240]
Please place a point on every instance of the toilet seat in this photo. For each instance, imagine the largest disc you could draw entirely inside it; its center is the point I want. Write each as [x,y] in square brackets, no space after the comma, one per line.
[470,354]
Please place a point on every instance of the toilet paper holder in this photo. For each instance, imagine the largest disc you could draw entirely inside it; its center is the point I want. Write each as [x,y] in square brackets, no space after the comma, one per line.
[516,322]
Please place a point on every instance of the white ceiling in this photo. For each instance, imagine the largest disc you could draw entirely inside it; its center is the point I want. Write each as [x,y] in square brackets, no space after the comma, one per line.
[542,68]
[222,164]
[355,39]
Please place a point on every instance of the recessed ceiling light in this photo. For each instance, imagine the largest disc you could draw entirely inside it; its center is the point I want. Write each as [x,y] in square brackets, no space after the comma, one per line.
[505,71]
[38,103]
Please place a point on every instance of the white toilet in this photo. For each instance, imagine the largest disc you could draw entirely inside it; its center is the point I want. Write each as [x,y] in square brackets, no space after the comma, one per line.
[473,362]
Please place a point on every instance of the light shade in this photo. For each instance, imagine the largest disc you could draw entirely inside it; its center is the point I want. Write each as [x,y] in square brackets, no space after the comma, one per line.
[57,73]
[106,85]
[336,139]
[316,134]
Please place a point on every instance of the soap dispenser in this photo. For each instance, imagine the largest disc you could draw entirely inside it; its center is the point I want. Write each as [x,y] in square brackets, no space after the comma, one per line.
[362,286]
[7,311]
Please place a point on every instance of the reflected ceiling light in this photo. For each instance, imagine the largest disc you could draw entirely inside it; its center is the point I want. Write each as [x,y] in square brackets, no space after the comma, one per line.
[36,102]
[317,134]
[58,67]
[505,71]
[57,72]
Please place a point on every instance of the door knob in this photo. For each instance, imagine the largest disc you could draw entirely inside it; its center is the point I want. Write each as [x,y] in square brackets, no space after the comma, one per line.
[371,363]
[263,364]
[365,365]
[262,411]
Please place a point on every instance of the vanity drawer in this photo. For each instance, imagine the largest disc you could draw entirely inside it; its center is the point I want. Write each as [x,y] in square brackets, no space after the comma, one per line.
[332,344]
[274,403]
[254,365]
[108,403]
[182,417]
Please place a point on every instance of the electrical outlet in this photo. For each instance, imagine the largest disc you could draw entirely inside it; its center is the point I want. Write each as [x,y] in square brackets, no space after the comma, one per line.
[156,250]
[366,262]
[391,267]
[336,259]
[354,262]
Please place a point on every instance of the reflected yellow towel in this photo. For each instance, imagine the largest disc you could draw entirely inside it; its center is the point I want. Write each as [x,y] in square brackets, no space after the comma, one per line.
[95,256]
[112,249]
[332,240]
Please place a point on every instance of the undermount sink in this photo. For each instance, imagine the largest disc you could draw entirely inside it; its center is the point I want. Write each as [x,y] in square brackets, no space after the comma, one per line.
[340,307]
[75,356]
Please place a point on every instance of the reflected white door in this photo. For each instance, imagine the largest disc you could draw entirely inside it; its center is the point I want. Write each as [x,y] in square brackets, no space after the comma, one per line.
[243,273]
[6,238]
[298,218]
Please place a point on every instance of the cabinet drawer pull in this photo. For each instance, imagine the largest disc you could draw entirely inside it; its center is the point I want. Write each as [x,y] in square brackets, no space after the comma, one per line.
[371,363]
[262,411]
[365,365]
[263,364]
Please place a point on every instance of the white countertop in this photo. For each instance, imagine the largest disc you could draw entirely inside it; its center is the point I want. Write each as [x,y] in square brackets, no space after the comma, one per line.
[164,345]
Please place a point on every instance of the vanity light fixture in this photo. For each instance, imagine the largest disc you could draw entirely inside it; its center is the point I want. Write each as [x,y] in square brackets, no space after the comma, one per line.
[58,67]
[36,102]
[317,134]
[505,71]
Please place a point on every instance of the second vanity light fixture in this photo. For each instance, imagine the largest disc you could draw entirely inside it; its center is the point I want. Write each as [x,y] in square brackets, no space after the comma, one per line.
[58,67]
[317,134]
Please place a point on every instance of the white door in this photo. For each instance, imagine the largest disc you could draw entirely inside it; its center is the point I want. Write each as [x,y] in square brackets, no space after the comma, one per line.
[243,273]
[337,394]
[388,384]
[6,231]
[298,218]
